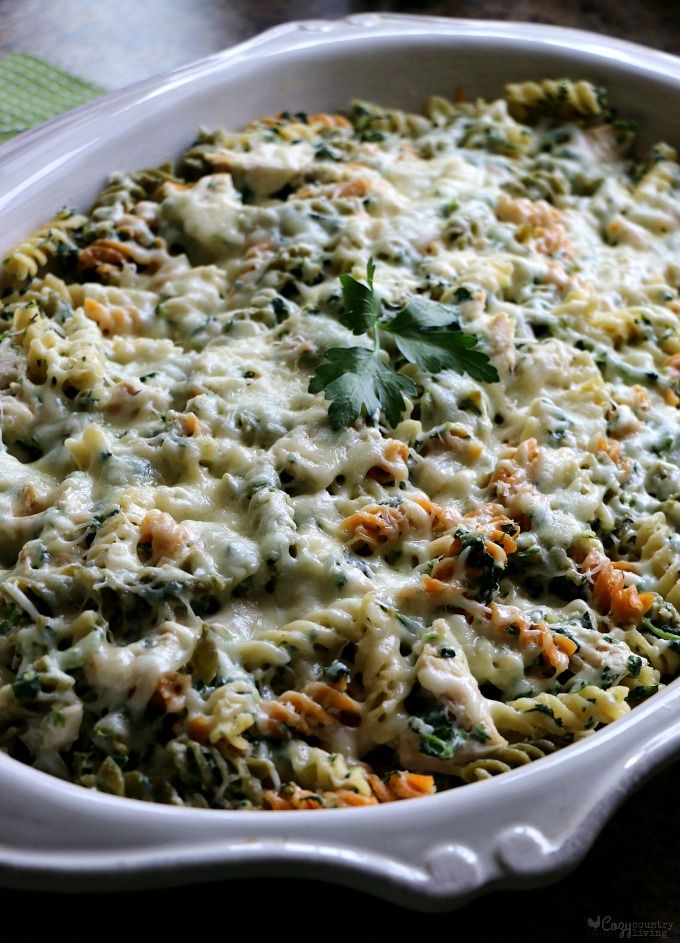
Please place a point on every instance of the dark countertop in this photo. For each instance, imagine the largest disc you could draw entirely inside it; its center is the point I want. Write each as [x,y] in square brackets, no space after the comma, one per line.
[633,871]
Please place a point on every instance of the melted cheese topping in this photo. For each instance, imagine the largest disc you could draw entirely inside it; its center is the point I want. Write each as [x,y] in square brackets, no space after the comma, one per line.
[211,597]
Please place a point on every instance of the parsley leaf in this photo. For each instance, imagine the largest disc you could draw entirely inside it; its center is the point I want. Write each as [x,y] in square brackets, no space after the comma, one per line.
[362,305]
[428,314]
[356,379]
[435,350]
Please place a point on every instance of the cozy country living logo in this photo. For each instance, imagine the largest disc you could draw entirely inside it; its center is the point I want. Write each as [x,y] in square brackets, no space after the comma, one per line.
[608,926]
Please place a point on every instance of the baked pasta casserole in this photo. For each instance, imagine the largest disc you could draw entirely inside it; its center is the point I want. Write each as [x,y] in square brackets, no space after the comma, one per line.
[340,460]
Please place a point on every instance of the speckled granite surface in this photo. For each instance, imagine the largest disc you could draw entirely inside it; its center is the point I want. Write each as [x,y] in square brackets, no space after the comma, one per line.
[632,873]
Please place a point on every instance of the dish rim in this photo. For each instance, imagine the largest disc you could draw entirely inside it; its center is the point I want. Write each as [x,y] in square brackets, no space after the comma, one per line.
[47,841]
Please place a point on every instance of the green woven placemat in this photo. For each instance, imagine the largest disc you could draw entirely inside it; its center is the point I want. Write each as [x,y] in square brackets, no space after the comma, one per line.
[32,91]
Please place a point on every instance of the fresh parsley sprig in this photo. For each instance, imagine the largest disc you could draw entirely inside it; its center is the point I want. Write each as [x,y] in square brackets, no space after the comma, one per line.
[356,379]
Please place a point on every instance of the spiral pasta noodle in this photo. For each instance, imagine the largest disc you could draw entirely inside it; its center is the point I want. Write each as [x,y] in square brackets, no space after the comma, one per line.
[28,258]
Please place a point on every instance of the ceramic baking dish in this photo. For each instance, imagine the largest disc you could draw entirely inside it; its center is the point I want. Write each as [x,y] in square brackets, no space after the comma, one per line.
[526,827]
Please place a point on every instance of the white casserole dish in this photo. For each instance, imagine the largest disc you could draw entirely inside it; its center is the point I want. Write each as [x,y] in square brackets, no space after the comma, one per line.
[526,827]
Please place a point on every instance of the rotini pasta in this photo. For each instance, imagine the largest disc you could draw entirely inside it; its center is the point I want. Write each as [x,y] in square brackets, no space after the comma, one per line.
[212,595]
[506,758]
[29,257]
[560,97]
